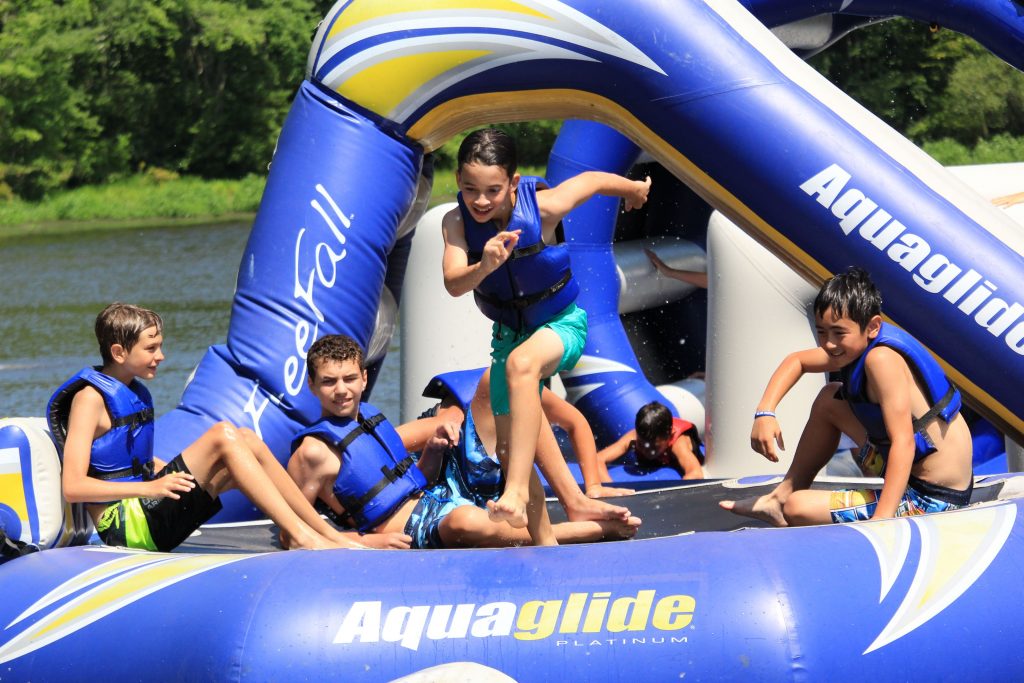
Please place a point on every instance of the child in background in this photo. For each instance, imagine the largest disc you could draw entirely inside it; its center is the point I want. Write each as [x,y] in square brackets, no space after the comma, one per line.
[503,242]
[658,441]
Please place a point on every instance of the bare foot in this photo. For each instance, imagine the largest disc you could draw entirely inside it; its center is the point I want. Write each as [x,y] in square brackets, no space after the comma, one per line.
[766,508]
[620,530]
[584,509]
[509,508]
[311,541]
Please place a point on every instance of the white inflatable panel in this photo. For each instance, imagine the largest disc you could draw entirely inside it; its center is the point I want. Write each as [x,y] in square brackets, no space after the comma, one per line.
[440,333]
[30,487]
[758,312]
[641,286]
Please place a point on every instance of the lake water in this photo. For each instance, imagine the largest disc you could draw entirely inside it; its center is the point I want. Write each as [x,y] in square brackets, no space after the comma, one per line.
[51,290]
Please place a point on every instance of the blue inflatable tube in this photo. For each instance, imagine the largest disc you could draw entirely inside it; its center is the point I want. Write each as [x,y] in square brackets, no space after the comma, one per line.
[734,114]
[925,594]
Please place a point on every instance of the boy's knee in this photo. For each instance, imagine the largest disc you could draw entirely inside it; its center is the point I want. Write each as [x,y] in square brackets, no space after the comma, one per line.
[223,434]
[519,366]
[826,401]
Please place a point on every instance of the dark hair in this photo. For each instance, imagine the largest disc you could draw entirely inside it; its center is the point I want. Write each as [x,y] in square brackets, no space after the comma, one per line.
[850,294]
[653,422]
[337,347]
[490,147]
[123,324]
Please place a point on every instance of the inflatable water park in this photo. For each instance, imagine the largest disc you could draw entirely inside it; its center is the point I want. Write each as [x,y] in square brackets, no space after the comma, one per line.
[775,180]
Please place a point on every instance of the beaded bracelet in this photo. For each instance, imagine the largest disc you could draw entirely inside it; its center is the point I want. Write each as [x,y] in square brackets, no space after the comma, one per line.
[763,413]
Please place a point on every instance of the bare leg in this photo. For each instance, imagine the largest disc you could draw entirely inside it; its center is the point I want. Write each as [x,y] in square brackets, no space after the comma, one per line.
[469,527]
[289,490]
[535,358]
[223,448]
[578,507]
[828,420]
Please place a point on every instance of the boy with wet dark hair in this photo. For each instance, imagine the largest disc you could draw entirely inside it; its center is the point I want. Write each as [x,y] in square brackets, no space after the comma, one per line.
[658,442]
[102,421]
[504,243]
[889,395]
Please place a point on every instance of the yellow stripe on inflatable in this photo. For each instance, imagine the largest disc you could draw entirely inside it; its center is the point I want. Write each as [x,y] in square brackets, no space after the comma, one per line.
[382,87]
[130,587]
[12,494]
[361,11]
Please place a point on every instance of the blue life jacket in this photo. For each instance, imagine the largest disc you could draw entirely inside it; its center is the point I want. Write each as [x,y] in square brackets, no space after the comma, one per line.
[125,453]
[377,474]
[536,282]
[461,384]
[943,398]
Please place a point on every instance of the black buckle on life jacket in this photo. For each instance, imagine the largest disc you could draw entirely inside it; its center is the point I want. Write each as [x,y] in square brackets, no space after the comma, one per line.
[138,469]
[135,420]
[391,475]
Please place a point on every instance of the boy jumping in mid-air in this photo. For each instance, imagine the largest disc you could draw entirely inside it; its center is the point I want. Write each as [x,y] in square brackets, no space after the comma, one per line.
[893,399]
[503,244]
[658,440]
[102,420]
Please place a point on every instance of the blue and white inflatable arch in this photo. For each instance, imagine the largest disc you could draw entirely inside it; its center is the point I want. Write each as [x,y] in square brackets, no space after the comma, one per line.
[702,86]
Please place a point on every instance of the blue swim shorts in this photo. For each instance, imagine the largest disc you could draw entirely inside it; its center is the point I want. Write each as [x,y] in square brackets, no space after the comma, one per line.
[571,327]
[854,505]
[424,523]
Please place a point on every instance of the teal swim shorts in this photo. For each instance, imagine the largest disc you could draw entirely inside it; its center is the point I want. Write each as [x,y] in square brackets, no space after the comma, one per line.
[571,327]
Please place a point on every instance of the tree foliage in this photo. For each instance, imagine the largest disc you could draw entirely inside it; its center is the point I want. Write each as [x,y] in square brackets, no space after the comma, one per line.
[96,88]
[93,90]
[930,85]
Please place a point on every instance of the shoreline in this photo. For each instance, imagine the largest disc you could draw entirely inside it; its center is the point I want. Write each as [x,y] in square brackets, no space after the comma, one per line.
[207,202]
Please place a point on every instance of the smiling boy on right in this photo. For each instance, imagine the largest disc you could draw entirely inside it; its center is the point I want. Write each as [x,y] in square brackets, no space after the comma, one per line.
[892,398]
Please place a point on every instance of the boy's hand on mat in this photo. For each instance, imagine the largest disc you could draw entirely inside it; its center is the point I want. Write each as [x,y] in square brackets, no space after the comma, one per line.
[170,485]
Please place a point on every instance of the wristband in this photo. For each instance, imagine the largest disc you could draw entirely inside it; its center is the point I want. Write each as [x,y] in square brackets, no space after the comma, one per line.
[763,413]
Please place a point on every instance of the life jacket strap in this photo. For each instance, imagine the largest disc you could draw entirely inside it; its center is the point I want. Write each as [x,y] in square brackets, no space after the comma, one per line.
[524,302]
[134,420]
[365,426]
[936,410]
[136,470]
[390,476]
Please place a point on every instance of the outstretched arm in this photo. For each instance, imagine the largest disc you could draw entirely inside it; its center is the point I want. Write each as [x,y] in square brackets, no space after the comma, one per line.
[1009,200]
[555,203]
[616,450]
[692,277]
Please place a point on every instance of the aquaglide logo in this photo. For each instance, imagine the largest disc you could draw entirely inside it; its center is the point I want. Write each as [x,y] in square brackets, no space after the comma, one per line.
[973,293]
[566,621]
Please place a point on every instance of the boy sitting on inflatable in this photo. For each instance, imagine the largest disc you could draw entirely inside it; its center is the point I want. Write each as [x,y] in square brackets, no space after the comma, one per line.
[503,244]
[102,421]
[657,442]
[356,463]
[893,399]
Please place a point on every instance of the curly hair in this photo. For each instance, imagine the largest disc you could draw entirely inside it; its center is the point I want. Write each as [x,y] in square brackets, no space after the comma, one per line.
[337,347]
